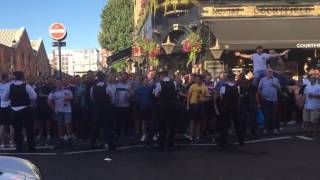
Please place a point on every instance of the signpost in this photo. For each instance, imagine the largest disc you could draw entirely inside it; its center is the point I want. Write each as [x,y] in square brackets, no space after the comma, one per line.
[58,32]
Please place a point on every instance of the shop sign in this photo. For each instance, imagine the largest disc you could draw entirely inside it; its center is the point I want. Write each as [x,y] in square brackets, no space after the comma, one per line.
[260,11]
[308,45]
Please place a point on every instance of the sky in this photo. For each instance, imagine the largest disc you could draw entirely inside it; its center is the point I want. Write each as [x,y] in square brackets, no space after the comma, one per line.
[81,18]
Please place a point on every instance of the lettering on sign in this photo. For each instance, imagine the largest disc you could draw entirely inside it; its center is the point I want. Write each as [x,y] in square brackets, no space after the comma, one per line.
[310,45]
[252,11]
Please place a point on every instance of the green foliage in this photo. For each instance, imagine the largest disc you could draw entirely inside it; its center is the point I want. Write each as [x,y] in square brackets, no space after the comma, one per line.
[116,25]
[146,44]
[192,45]
[120,66]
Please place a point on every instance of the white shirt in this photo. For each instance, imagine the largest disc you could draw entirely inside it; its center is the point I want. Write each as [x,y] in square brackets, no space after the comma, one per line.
[112,88]
[109,90]
[58,97]
[31,93]
[3,88]
[122,95]
[260,61]
[312,103]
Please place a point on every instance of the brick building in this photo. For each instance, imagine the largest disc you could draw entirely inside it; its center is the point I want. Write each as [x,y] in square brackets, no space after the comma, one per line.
[41,58]
[17,53]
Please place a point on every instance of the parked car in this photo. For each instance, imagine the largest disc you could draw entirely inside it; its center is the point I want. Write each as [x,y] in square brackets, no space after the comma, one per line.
[12,168]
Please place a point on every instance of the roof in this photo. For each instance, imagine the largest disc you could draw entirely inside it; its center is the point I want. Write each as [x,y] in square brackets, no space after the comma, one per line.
[36,44]
[8,35]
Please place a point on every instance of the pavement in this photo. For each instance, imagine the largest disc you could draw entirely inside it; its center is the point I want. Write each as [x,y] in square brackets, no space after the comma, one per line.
[288,156]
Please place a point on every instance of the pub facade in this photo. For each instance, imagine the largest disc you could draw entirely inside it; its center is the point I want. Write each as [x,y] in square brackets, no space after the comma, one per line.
[229,26]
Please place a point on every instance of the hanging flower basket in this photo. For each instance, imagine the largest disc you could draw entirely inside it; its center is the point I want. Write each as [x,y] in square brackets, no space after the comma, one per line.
[153,56]
[149,48]
[192,46]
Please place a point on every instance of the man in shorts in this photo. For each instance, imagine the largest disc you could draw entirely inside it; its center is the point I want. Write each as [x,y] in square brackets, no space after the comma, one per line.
[5,113]
[60,102]
[197,95]
[44,112]
[311,111]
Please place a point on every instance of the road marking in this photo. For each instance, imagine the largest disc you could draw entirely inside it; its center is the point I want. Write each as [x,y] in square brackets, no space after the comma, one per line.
[248,142]
[269,139]
[139,146]
[51,154]
[130,147]
[305,138]
[82,152]
[37,147]
[196,144]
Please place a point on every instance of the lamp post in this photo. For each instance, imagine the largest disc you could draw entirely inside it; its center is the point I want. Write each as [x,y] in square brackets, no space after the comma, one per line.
[14,46]
[168,46]
[216,50]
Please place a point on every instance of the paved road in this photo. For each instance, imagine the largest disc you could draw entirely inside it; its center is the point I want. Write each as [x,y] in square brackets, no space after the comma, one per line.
[279,158]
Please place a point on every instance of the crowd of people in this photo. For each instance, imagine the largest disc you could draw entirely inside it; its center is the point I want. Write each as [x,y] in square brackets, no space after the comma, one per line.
[103,107]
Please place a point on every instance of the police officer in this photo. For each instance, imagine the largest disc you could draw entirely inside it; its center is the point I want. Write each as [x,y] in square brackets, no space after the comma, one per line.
[229,106]
[21,96]
[101,96]
[166,92]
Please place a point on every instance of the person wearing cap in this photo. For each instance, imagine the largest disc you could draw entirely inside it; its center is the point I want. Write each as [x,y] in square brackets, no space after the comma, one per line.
[101,96]
[229,108]
[260,62]
[21,96]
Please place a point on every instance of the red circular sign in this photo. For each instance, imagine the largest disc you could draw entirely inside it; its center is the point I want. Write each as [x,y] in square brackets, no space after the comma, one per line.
[57,31]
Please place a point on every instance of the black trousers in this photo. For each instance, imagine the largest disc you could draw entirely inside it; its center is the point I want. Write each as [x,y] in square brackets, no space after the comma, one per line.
[122,115]
[167,123]
[269,111]
[152,128]
[101,120]
[23,119]
[230,114]
[252,119]
[86,119]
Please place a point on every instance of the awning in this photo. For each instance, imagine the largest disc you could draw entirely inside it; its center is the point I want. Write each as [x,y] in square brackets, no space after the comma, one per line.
[120,55]
[271,33]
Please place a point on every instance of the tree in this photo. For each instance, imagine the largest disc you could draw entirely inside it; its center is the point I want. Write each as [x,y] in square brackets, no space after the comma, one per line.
[116,25]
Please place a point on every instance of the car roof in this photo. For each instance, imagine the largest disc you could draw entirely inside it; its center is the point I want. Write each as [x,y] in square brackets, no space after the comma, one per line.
[18,165]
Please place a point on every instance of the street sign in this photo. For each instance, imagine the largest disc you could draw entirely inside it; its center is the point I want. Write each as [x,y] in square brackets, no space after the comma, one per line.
[57,43]
[57,31]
